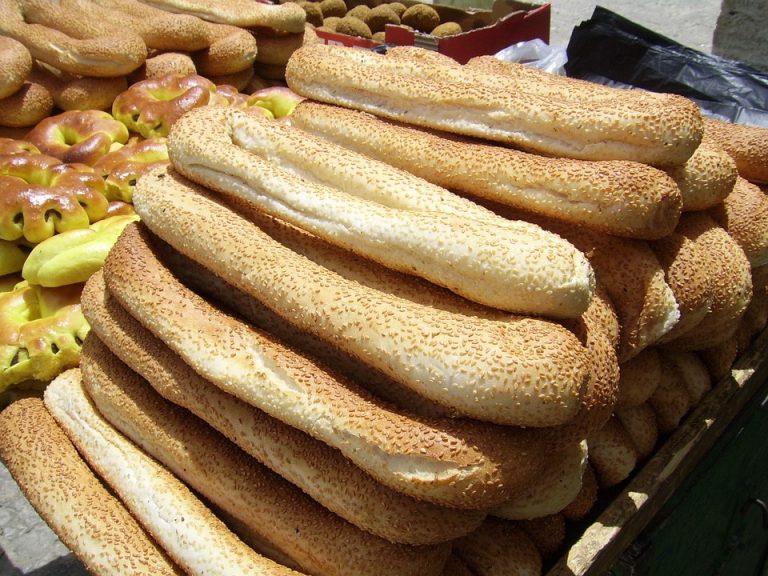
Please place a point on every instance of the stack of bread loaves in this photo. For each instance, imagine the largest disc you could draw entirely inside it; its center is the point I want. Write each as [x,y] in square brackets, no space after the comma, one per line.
[412,328]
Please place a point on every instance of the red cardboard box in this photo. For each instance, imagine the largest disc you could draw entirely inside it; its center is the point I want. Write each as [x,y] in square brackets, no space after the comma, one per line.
[487,31]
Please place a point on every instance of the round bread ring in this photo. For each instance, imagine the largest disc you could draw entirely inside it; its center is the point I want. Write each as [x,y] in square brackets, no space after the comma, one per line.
[500,544]
[640,423]
[163,64]
[744,214]
[81,136]
[639,377]
[17,146]
[671,400]
[122,168]
[230,50]
[15,66]
[547,533]
[151,106]
[43,196]
[277,49]
[238,80]
[26,107]
[117,54]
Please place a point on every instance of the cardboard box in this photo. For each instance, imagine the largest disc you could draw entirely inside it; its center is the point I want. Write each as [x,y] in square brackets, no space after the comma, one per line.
[488,31]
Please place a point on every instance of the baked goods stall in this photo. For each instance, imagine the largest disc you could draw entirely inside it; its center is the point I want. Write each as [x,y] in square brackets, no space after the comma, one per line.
[293,300]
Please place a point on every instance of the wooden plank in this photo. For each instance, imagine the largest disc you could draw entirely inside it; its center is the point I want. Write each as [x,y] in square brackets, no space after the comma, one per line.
[619,524]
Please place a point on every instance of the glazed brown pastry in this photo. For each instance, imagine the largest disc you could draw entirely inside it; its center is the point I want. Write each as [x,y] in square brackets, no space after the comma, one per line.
[617,197]
[544,115]
[513,370]
[73,501]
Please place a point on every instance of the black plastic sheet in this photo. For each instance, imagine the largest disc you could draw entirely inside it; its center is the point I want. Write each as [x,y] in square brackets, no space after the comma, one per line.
[613,49]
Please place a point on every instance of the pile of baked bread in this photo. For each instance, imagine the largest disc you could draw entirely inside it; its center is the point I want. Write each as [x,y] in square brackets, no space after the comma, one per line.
[414,326]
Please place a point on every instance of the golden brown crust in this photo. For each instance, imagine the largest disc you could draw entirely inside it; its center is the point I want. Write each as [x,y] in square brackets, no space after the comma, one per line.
[334,481]
[277,49]
[744,215]
[681,259]
[15,66]
[706,178]
[670,401]
[730,282]
[285,18]
[157,66]
[612,453]
[547,533]
[53,37]
[543,358]
[87,518]
[423,89]
[462,464]
[639,377]
[640,423]
[499,548]
[176,518]
[206,461]
[230,50]
[616,197]
[381,213]
[747,145]
[122,168]
[586,499]
[26,107]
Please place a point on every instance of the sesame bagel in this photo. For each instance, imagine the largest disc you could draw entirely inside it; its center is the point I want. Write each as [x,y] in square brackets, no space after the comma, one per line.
[617,197]
[438,93]
[286,518]
[465,465]
[73,501]
[196,540]
[382,213]
[501,368]
[15,66]
[230,50]
[335,482]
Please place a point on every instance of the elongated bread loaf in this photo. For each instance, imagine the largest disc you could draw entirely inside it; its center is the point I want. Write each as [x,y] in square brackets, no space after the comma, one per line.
[284,18]
[432,91]
[744,214]
[318,541]
[617,197]
[639,378]
[641,425]
[747,145]
[559,484]
[631,275]
[466,464]
[499,548]
[688,277]
[730,281]
[188,531]
[501,368]
[612,453]
[320,471]
[71,499]
[706,177]
[381,213]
